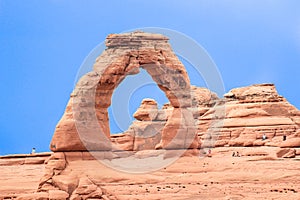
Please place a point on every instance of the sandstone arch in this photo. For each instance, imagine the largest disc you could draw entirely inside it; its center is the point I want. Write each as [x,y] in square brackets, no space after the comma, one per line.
[84,125]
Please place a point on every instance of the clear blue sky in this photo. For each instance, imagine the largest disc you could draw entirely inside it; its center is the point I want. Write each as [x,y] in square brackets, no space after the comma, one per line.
[43,43]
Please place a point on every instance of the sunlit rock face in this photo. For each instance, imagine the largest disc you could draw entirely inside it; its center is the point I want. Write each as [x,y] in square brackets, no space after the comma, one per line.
[85,123]
[250,113]
[194,117]
[241,118]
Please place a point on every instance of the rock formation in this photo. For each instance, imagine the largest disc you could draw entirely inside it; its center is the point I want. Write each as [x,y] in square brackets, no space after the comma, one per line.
[241,118]
[194,118]
[84,125]
[257,173]
[251,112]
[145,133]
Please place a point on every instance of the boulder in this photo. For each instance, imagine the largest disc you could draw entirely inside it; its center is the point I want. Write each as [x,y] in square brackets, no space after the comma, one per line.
[286,153]
[65,183]
[58,195]
[85,187]
[147,111]
[123,141]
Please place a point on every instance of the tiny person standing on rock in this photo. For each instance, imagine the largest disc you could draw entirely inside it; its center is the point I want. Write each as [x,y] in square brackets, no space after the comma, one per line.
[284,138]
[209,153]
[33,151]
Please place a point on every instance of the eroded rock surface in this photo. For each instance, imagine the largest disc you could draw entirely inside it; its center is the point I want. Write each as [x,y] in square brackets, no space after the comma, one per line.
[84,125]
[242,118]
[194,118]
[251,112]
[257,173]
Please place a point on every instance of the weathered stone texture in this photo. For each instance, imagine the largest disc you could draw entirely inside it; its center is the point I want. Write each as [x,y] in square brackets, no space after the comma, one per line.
[85,123]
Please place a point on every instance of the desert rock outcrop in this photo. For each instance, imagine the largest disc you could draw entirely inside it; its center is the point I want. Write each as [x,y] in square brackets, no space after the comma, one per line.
[194,118]
[242,118]
[257,173]
[84,125]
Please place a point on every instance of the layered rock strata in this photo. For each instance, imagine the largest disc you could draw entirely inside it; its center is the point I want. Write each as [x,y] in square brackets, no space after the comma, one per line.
[194,118]
[77,175]
[85,123]
[254,116]
[249,116]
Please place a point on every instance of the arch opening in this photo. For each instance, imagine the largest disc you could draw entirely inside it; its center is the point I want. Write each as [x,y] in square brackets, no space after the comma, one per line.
[127,98]
[177,133]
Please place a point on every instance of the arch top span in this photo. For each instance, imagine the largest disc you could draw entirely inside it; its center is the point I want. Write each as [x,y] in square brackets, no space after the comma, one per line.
[85,123]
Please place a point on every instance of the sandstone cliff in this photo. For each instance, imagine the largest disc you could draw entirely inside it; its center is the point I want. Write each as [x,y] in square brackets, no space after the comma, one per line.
[251,112]
[88,162]
[243,116]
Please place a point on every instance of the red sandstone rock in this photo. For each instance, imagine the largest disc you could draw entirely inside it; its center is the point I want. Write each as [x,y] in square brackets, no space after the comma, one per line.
[244,120]
[35,196]
[194,116]
[85,187]
[58,195]
[123,141]
[250,112]
[87,190]
[286,153]
[65,183]
[24,159]
[240,119]
[257,168]
[291,142]
[147,111]
[80,130]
